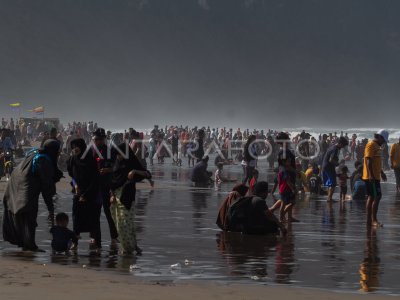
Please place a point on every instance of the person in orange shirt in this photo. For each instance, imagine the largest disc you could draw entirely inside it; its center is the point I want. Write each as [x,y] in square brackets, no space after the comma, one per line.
[395,163]
[372,175]
[185,140]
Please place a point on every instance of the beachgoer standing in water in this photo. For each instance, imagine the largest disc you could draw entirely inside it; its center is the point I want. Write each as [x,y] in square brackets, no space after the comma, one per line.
[37,174]
[104,165]
[330,162]
[249,161]
[199,152]
[395,163]
[286,176]
[373,174]
[82,167]
[127,171]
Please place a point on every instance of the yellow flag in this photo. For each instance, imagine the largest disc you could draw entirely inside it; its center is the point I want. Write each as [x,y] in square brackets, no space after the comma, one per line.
[15,104]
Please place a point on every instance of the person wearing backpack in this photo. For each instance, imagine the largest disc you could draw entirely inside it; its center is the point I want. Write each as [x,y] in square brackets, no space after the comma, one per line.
[37,174]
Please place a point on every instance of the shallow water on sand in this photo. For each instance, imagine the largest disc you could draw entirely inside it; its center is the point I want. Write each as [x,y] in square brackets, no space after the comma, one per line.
[330,248]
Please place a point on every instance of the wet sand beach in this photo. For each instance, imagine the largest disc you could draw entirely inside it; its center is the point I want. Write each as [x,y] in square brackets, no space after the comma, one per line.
[20,280]
[329,251]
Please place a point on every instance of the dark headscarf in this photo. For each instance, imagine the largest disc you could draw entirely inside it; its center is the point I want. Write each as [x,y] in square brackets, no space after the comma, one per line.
[81,144]
[260,188]
[83,169]
[241,188]
[52,148]
[120,175]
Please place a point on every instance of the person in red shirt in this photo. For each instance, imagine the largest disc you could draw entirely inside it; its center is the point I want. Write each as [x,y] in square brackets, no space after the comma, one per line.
[253,182]
[287,189]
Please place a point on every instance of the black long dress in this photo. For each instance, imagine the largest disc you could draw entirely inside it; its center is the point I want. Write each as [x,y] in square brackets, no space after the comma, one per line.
[84,173]
[35,175]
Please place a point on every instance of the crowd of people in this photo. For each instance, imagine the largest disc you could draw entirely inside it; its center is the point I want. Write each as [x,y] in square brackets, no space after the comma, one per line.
[104,168]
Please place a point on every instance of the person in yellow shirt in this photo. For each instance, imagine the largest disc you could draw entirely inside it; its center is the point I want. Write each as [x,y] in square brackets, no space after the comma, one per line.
[301,180]
[310,171]
[372,175]
[395,163]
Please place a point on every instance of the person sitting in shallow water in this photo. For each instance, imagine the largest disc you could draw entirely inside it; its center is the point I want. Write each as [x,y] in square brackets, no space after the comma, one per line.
[63,238]
[355,173]
[238,191]
[220,177]
[359,191]
[251,215]
[199,174]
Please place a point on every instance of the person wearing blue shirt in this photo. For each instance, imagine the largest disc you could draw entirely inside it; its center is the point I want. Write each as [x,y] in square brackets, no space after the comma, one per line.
[330,162]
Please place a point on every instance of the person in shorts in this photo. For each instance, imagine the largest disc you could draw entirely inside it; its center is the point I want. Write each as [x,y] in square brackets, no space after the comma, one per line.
[373,174]
[329,164]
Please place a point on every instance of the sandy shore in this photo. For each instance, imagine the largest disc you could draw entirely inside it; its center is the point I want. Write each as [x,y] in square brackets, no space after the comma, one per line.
[27,280]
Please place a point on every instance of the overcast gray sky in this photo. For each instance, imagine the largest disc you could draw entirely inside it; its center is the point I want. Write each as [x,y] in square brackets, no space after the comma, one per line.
[254,63]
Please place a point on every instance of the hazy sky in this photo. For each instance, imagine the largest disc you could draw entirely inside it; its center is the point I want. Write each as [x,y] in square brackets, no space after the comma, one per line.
[255,63]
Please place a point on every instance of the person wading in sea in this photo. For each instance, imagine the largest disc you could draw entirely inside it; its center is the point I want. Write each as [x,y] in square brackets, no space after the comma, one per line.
[373,174]
[395,163]
[329,163]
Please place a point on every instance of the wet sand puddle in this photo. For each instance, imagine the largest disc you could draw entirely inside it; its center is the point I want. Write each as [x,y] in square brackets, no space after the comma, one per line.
[330,248]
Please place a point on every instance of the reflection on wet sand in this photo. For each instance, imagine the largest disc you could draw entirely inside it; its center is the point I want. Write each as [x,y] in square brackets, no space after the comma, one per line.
[96,260]
[370,268]
[141,206]
[199,202]
[246,254]
[285,258]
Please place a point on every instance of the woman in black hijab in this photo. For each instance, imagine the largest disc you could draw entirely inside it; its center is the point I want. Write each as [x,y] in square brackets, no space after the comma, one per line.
[126,172]
[52,148]
[37,174]
[83,170]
